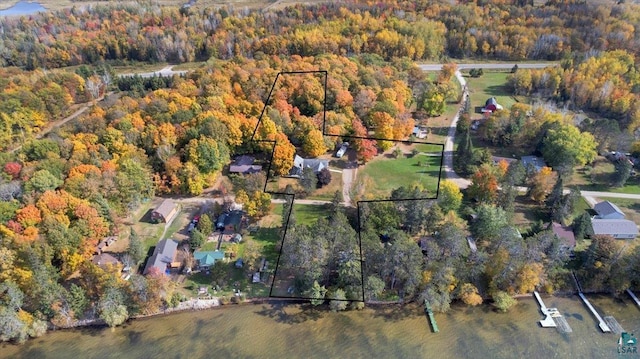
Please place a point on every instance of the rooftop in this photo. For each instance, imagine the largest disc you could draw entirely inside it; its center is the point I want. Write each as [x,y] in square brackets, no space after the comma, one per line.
[614,226]
[208,258]
[165,208]
[606,208]
[565,233]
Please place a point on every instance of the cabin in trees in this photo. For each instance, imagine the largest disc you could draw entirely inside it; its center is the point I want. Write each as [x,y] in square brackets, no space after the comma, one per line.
[244,165]
[166,212]
[230,222]
[299,164]
[565,234]
[533,163]
[104,260]
[163,257]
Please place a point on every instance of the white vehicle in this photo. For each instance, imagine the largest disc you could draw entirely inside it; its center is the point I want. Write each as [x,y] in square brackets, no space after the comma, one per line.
[343,149]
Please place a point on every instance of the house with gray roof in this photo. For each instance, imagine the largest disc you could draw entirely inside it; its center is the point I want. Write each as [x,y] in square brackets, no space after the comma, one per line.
[533,162]
[299,164]
[616,228]
[163,256]
[244,164]
[608,210]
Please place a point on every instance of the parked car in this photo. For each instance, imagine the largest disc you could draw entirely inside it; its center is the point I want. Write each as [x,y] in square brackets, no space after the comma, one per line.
[343,149]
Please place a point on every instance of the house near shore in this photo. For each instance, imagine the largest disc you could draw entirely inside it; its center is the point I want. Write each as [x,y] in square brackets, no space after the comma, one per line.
[565,234]
[163,257]
[165,212]
[207,259]
[299,164]
[244,165]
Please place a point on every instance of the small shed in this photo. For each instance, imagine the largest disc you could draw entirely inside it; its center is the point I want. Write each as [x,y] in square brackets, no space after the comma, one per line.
[166,212]
[236,238]
[239,263]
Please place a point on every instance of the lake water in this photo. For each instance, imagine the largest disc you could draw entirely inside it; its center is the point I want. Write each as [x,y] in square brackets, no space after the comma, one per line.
[23,8]
[289,331]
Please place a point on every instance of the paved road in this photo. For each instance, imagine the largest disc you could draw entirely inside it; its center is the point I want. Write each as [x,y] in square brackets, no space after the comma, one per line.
[502,66]
[166,72]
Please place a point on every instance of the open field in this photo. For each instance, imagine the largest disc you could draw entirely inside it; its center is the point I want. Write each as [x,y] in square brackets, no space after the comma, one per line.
[598,178]
[325,193]
[303,213]
[386,173]
[490,84]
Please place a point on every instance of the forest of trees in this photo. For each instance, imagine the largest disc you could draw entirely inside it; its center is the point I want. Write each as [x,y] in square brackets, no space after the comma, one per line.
[61,194]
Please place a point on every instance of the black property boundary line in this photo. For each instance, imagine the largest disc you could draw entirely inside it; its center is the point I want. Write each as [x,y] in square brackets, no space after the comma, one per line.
[291,196]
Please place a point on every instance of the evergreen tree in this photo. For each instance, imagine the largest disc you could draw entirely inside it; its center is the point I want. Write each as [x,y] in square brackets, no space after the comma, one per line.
[205,225]
[622,172]
[464,153]
[135,250]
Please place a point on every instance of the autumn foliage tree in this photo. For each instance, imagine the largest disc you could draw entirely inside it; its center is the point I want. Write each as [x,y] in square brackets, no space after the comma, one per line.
[484,185]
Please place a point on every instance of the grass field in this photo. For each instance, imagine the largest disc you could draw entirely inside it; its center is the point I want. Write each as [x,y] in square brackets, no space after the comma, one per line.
[303,213]
[490,84]
[598,178]
[385,173]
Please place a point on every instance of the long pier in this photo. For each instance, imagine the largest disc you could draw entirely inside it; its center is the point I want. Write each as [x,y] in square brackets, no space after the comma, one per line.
[432,319]
[633,296]
[547,322]
[601,323]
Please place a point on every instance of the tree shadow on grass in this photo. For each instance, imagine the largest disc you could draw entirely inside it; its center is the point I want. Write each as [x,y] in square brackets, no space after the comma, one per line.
[146,218]
[497,90]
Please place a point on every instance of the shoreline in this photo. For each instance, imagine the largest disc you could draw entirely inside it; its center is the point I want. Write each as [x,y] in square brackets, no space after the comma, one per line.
[193,305]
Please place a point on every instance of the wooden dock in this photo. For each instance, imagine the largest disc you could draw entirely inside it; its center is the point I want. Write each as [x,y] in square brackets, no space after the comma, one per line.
[432,319]
[633,296]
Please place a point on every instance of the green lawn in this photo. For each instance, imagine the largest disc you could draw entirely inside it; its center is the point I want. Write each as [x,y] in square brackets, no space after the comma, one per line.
[598,177]
[209,246]
[490,84]
[304,213]
[383,174]
[327,192]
